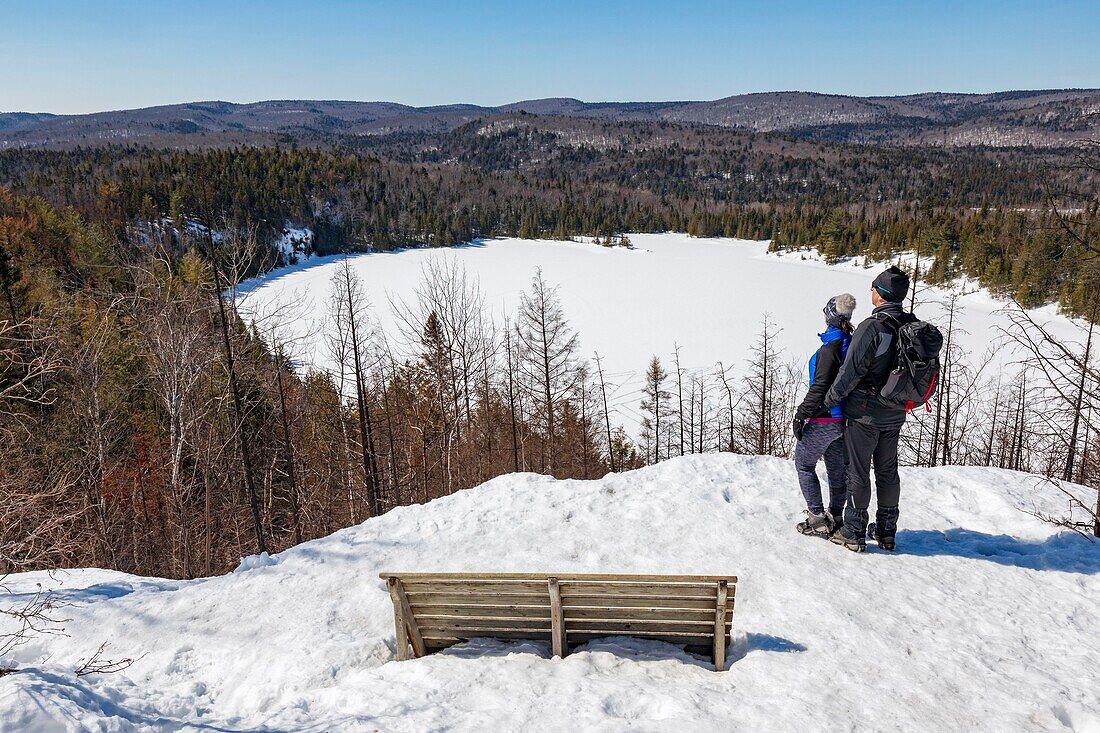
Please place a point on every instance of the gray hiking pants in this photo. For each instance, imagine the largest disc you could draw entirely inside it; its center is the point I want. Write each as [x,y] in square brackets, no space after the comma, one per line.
[822,440]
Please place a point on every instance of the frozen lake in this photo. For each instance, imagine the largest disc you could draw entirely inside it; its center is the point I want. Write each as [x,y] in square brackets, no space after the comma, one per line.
[709,296]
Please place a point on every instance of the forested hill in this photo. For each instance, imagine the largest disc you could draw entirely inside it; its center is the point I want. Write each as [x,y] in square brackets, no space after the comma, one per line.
[1041,118]
[976,211]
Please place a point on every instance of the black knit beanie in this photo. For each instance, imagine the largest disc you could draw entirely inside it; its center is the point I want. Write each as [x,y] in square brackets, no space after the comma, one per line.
[892,284]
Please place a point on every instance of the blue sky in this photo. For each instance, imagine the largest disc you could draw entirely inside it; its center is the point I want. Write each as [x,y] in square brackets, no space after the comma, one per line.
[68,56]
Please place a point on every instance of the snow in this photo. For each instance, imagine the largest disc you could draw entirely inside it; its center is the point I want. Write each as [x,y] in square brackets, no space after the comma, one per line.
[709,296]
[294,244]
[984,619]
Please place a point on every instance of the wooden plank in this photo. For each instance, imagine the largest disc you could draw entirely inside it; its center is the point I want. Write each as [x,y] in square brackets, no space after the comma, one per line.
[640,613]
[720,628]
[557,619]
[637,590]
[502,610]
[700,603]
[401,634]
[626,587]
[704,641]
[564,577]
[457,598]
[517,587]
[436,616]
[410,619]
[627,627]
[431,637]
[463,624]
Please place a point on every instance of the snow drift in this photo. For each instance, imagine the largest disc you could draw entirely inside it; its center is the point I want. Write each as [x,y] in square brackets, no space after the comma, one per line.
[983,619]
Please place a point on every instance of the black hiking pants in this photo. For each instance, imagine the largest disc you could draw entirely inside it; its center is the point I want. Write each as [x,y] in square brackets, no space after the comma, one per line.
[866,444]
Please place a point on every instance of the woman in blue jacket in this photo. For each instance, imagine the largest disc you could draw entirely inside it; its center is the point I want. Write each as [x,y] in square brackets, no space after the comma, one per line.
[820,432]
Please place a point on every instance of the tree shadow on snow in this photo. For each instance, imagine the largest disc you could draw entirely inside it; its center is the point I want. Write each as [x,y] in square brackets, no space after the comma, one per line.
[1066,552]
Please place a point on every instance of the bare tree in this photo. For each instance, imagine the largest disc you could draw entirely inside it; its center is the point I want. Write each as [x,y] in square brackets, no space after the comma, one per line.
[227,318]
[606,413]
[171,318]
[769,395]
[354,305]
[547,356]
[1068,390]
[680,395]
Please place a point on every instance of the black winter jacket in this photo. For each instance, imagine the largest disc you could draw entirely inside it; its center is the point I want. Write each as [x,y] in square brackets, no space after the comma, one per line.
[866,369]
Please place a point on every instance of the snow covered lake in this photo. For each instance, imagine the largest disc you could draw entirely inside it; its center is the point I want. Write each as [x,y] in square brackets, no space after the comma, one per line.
[709,296]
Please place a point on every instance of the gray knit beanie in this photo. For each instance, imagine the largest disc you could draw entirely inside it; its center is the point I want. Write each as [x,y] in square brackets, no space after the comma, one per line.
[840,308]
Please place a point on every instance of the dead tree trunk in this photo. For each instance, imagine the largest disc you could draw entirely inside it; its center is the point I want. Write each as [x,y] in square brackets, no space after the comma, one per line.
[1079,397]
[606,414]
[370,470]
[238,403]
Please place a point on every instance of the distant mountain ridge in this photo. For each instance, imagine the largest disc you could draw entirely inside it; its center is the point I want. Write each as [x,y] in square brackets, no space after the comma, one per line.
[1041,118]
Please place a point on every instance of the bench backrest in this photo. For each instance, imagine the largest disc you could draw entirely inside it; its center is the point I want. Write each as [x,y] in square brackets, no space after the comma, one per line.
[433,611]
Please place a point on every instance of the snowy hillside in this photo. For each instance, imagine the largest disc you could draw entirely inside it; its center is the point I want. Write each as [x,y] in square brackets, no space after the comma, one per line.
[709,296]
[983,620]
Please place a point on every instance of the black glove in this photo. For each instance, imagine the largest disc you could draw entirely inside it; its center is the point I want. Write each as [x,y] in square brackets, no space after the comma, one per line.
[797,427]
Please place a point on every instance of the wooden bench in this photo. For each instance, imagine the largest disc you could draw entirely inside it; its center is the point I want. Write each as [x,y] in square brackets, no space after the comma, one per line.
[433,611]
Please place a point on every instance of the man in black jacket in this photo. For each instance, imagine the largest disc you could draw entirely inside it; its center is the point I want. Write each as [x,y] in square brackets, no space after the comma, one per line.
[872,426]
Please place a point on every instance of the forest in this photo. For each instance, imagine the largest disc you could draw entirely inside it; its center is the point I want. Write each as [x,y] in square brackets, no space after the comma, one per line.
[147,427]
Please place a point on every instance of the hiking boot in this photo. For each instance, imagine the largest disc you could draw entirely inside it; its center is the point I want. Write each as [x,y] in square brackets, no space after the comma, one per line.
[885,541]
[816,525]
[855,543]
[885,526]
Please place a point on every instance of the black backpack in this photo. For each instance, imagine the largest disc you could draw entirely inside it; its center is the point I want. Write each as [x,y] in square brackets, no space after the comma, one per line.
[913,380]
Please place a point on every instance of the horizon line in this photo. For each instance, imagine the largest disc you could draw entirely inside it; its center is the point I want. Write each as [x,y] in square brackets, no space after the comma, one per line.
[543,99]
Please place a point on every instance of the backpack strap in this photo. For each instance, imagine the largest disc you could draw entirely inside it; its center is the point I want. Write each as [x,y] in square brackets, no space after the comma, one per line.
[893,322]
[894,325]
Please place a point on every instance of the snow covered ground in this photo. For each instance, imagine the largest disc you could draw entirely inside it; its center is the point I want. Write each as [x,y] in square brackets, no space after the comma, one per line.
[983,620]
[707,295]
[294,244]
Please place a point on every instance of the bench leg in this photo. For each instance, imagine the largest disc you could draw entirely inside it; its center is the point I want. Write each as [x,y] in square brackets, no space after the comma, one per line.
[401,632]
[406,631]
[720,628]
[557,620]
